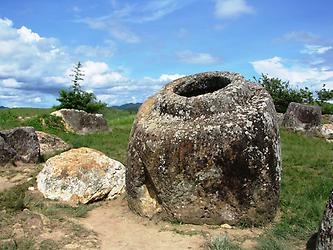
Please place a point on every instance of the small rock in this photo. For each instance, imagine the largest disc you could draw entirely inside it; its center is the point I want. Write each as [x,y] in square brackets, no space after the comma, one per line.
[226,226]
[31,188]
[327,132]
[17,178]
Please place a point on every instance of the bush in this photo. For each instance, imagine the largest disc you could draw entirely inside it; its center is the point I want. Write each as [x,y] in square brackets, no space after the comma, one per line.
[282,93]
[45,122]
[76,98]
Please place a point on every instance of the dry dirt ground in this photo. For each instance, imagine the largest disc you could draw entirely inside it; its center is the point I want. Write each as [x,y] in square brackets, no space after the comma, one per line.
[43,224]
[118,228]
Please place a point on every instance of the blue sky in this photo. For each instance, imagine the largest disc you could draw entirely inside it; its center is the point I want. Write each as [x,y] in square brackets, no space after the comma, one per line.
[130,49]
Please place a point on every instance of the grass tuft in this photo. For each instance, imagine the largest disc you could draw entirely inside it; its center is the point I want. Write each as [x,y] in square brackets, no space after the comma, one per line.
[222,243]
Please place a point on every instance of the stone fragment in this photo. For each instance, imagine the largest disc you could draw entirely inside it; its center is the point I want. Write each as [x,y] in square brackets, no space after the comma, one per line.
[300,117]
[327,132]
[7,153]
[81,122]
[51,145]
[19,144]
[80,176]
[206,149]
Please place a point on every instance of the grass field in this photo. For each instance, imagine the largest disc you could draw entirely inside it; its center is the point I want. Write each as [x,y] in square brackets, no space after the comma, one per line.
[306,182]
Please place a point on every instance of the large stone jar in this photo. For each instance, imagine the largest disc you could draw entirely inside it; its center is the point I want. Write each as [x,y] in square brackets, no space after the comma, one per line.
[206,149]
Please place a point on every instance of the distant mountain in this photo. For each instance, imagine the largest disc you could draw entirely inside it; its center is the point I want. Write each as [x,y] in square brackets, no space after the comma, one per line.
[3,107]
[129,106]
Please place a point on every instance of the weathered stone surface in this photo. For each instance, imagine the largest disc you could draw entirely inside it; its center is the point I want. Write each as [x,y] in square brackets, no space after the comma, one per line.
[19,144]
[81,122]
[7,153]
[206,149]
[279,117]
[81,175]
[51,145]
[325,233]
[327,132]
[301,117]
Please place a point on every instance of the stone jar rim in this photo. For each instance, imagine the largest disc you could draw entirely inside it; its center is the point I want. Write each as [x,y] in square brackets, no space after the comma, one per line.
[202,94]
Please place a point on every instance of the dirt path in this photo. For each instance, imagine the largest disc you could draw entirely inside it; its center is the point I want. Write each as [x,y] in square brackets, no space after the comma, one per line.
[118,228]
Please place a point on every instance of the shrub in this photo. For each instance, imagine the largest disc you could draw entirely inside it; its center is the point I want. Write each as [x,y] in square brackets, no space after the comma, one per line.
[46,122]
[283,94]
[76,98]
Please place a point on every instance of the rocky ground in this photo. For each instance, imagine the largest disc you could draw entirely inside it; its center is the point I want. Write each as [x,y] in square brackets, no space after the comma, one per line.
[38,223]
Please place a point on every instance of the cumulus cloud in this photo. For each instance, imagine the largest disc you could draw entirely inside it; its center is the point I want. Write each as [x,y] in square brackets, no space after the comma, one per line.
[99,75]
[26,61]
[34,68]
[315,49]
[190,57]
[296,74]
[27,36]
[232,8]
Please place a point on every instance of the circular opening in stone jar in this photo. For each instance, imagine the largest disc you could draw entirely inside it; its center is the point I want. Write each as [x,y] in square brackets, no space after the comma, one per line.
[201,86]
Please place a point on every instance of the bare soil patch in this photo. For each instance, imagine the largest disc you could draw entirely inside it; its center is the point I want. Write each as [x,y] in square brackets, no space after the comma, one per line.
[118,228]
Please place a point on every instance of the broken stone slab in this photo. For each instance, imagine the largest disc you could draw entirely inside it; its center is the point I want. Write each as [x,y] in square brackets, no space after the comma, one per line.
[51,145]
[81,175]
[81,122]
[327,132]
[19,144]
[206,149]
[300,117]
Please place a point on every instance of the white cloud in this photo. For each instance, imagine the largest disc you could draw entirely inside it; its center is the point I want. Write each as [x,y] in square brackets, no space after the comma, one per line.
[315,49]
[296,74]
[166,77]
[34,68]
[299,36]
[26,35]
[232,8]
[98,75]
[10,83]
[190,57]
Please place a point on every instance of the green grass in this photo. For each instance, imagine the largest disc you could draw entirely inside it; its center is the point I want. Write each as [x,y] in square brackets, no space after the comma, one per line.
[113,144]
[222,243]
[306,183]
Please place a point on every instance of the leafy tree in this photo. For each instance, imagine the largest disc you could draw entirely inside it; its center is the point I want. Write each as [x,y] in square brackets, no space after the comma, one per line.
[75,97]
[324,95]
[283,94]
